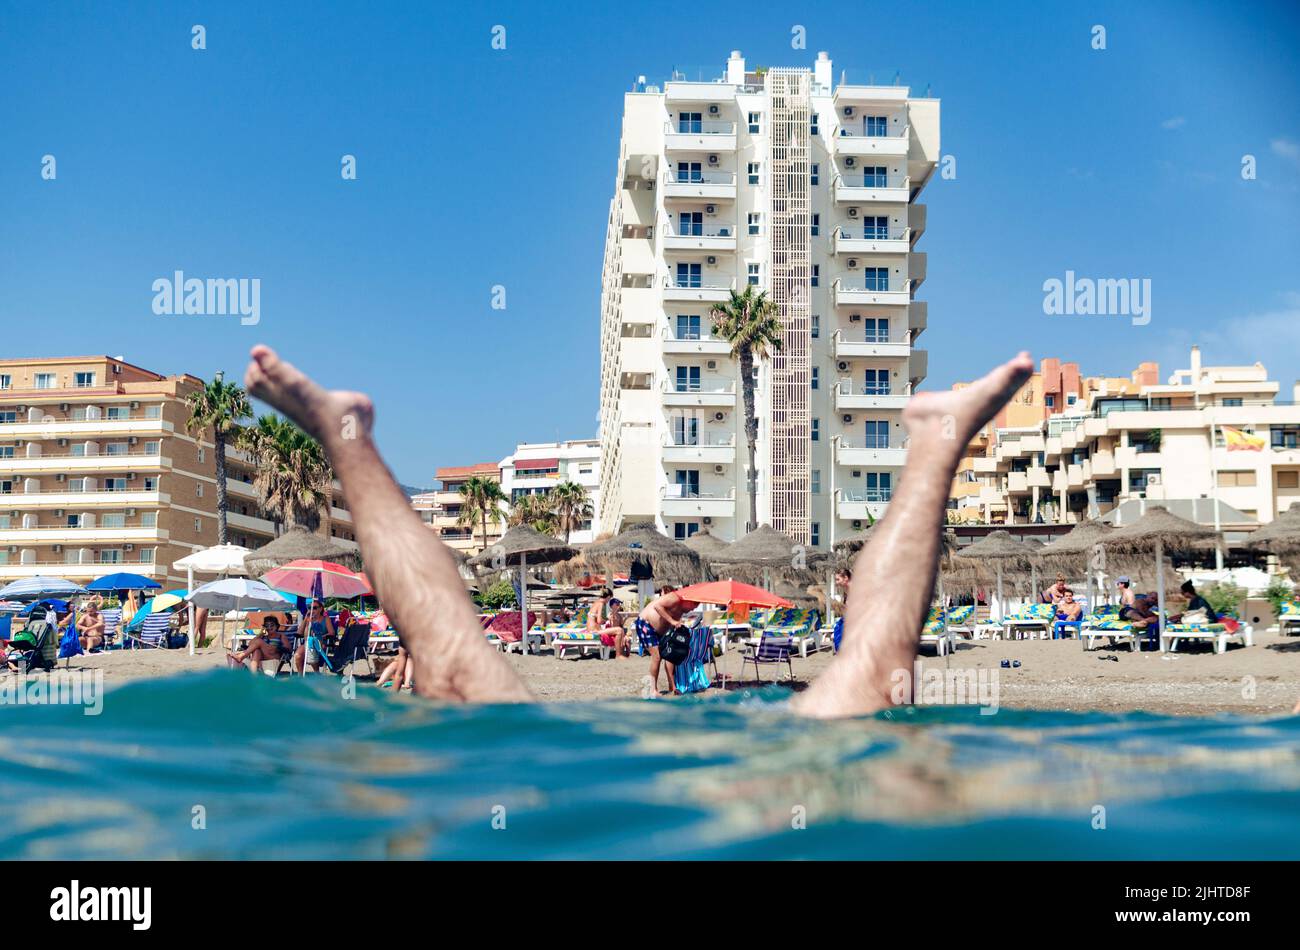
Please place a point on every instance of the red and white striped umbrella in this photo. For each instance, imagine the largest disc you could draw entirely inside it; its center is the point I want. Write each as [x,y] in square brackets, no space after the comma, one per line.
[309,578]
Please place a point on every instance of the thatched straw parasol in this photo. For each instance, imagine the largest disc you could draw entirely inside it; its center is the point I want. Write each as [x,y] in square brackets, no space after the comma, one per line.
[519,547]
[766,553]
[1000,548]
[1158,530]
[297,543]
[799,596]
[1279,536]
[1066,552]
[642,543]
[706,544]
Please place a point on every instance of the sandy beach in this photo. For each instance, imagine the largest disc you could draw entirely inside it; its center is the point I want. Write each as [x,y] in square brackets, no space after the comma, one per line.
[1261,679]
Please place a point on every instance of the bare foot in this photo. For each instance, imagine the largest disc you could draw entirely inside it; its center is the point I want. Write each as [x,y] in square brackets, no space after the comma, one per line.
[954,416]
[326,415]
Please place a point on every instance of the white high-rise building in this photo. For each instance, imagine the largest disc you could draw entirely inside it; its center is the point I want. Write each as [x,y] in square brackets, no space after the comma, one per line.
[807,189]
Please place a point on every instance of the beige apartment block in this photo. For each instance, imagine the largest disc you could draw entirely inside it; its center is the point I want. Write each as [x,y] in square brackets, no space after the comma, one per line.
[440,509]
[98,473]
[807,189]
[1141,440]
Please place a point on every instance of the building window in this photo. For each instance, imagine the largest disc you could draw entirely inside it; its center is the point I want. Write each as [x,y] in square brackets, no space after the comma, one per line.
[684,529]
[198,490]
[1049,401]
[110,557]
[877,434]
[690,122]
[6,381]
[816,274]
[816,373]
[877,329]
[874,176]
[814,176]
[6,451]
[875,278]
[753,274]
[146,555]
[816,225]
[45,381]
[83,380]
[115,484]
[149,519]
[690,223]
[1243,479]
[198,526]
[815,532]
[153,412]
[812,125]
[815,481]
[880,486]
[816,430]
[755,122]
[688,275]
[1288,479]
[150,483]
[688,379]
[1231,402]
[8,417]
[203,454]
[876,126]
[688,326]
[117,412]
[1285,438]
[816,328]
[753,173]
[755,222]
[113,520]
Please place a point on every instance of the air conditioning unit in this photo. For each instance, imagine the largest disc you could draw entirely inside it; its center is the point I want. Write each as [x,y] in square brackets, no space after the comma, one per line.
[707,520]
[128,547]
[713,109]
[848,112]
[719,470]
[59,513]
[58,549]
[64,407]
[855,317]
[850,162]
[853,263]
[856,473]
[1153,479]
[853,212]
[857,526]
[712,364]
[713,159]
[846,419]
[135,404]
[710,209]
[20,443]
[13,549]
[60,477]
[711,261]
[130,476]
[63,443]
[130,512]
[132,440]
[842,365]
[719,416]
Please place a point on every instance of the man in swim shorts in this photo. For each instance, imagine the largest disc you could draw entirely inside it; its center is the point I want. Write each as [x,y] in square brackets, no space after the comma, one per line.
[659,616]
[415,576]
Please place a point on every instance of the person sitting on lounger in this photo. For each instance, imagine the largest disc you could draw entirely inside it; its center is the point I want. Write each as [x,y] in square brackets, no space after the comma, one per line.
[1126,593]
[270,644]
[1195,602]
[90,627]
[1056,593]
[401,671]
[416,577]
[1142,617]
[1069,614]
[316,622]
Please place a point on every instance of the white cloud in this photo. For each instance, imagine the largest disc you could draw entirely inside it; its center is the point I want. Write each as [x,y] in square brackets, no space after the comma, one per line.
[1271,337]
[1287,149]
[1177,122]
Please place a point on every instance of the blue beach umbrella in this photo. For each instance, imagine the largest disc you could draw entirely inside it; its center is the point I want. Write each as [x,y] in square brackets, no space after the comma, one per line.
[59,606]
[39,587]
[123,581]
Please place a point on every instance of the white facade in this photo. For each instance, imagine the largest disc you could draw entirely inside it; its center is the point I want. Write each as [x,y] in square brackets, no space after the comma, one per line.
[537,467]
[808,190]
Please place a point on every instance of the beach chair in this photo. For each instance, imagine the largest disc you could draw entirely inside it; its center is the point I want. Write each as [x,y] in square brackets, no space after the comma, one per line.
[770,649]
[1108,627]
[352,646]
[35,648]
[800,625]
[567,642]
[692,675]
[152,632]
[1288,618]
[112,620]
[934,634]
[1217,635]
[1031,619]
[503,631]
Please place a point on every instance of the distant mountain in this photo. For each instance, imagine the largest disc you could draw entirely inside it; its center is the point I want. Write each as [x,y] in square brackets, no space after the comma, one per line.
[412,491]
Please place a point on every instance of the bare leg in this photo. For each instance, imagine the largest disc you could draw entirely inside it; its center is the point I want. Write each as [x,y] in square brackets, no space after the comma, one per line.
[412,571]
[896,568]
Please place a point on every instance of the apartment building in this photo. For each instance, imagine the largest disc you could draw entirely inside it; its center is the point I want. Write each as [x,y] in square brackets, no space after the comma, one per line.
[807,189]
[535,468]
[98,473]
[1171,442]
[440,509]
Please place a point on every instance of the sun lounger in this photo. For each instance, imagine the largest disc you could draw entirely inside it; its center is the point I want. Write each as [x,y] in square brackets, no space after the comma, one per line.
[1215,634]
[579,642]
[1031,619]
[934,634]
[799,624]
[152,632]
[112,620]
[1288,618]
[1108,626]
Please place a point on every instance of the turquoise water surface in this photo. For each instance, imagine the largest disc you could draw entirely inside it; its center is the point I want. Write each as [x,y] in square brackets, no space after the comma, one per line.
[291,769]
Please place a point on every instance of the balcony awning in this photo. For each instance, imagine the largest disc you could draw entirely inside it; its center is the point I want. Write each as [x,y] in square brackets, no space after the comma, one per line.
[533,465]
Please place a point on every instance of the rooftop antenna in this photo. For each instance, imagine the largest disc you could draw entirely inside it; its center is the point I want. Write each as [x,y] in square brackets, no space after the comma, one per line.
[898,75]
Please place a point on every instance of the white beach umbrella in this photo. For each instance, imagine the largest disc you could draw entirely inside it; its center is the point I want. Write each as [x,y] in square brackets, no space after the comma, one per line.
[237,593]
[223,559]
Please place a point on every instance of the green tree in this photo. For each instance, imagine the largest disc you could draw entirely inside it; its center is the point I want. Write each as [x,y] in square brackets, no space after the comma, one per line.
[222,407]
[749,322]
[293,472]
[572,507]
[481,500]
[536,511]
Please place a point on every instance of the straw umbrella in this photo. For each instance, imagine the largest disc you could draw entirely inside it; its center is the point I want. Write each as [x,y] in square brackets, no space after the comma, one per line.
[1158,531]
[706,544]
[1000,548]
[1279,536]
[1082,540]
[641,543]
[300,544]
[764,554]
[519,547]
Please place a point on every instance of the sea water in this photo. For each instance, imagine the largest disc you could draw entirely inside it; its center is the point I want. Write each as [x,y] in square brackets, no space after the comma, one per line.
[224,765]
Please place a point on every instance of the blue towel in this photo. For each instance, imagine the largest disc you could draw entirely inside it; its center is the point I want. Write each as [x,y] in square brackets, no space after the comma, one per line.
[691,675]
[69,645]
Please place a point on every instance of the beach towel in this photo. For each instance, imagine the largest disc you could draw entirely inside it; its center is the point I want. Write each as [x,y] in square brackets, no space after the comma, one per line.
[69,644]
[691,674]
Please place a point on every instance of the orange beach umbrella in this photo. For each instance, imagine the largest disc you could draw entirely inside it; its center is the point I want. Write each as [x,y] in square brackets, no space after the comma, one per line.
[731,592]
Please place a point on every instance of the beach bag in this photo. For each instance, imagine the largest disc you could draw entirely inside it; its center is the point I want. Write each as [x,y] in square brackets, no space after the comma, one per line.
[675,645]
[1196,616]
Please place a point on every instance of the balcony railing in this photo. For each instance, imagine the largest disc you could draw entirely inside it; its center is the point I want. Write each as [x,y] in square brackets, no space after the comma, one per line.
[867,336]
[708,439]
[844,131]
[697,283]
[848,387]
[685,492]
[676,229]
[871,232]
[872,180]
[876,442]
[683,176]
[671,385]
[82,455]
[869,495]
[700,127]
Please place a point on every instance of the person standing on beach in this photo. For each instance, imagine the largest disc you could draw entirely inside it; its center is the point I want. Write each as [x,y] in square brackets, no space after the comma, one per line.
[660,616]
[843,577]
[416,577]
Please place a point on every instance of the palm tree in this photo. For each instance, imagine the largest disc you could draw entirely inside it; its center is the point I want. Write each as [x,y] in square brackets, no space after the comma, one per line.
[571,505]
[749,322]
[223,407]
[293,473]
[535,510]
[481,503]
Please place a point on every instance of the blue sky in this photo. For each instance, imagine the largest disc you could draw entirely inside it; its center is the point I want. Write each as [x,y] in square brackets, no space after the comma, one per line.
[479,167]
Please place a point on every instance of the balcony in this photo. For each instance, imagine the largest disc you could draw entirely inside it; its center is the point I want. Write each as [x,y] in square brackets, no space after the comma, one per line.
[698,290]
[918,317]
[710,395]
[76,430]
[864,346]
[694,346]
[707,237]
[858,188]
[870,240]
[62,534]
[675,502]
[79,571]
[80,500]
[84,464]
[709,449]
[869,454]
[862,504]
[851,142]
[703,135]
[868,293]
[700,186]
[857,396]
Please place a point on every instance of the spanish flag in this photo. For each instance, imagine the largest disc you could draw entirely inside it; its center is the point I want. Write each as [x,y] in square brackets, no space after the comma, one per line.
[1238,441]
